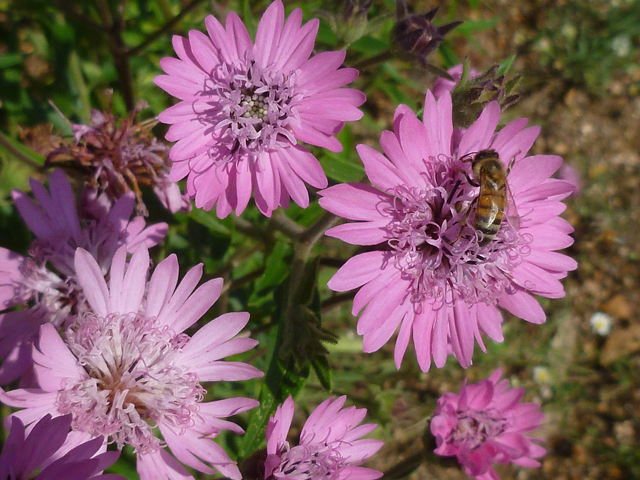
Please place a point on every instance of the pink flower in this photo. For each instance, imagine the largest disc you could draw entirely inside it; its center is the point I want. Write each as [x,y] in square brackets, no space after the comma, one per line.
[52,291]
[485,424]
[243,109]
[329,447]
[126,367]
[427,270]
[42,451]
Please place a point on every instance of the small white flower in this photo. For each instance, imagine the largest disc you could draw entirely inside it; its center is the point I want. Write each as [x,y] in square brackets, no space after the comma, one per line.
[621,45]
[541,375]
[601,323]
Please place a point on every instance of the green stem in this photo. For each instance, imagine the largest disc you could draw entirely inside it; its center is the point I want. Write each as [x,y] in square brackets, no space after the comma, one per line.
[9,147]
[383,56]
[405,467]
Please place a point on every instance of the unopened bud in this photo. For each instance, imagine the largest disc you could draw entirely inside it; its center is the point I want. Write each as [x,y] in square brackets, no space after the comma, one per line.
[473,92]
[416,34]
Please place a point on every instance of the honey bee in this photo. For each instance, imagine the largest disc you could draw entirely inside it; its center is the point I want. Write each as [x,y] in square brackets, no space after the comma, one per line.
[494,200]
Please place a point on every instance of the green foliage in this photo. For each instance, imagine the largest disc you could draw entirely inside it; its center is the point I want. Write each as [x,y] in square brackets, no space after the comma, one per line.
[591,43]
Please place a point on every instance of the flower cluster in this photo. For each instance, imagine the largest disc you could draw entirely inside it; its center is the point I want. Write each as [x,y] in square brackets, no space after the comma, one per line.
[46,280]
[124,368]
[457,221]
[486,423]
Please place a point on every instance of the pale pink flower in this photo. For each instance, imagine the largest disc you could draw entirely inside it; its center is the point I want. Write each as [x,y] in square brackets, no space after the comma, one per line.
[45,280]
[486,423]
[426,270]
[330,445]
[126,367]
[244,107]
[41,455]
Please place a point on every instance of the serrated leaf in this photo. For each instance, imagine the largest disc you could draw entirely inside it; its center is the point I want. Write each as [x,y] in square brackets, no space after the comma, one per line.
[323,371]
[281,381]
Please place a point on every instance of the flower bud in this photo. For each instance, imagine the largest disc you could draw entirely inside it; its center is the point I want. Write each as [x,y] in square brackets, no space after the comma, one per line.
[416,34]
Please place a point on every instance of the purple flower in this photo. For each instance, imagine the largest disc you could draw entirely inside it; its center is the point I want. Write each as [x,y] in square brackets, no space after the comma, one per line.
[329,446]
[126,367]
[485,424]
[427,270]
[43,452]
[45,280]
[243,109]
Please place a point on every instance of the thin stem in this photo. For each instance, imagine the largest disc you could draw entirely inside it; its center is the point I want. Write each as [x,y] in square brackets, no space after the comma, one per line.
[376,59]
[280,221]
[303,248]
[8,146]
[238,282]
[312,234]
[247,228]
[164,29]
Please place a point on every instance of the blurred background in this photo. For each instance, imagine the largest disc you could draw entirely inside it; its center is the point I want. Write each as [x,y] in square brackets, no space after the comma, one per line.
[580,68]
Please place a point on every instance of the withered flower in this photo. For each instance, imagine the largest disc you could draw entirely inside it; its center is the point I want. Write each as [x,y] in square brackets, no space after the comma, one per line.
[417,36]
[116,157]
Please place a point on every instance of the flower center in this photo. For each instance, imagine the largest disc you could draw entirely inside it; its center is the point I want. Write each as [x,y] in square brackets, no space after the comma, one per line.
[310,462]
[475,428]
[256,106]
[133,381]
[435,245]
[252,108]
[59,298]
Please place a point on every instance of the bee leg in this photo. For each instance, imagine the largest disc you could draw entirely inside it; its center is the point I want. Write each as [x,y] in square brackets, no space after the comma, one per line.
[472,182]
[463,221]
[453,191]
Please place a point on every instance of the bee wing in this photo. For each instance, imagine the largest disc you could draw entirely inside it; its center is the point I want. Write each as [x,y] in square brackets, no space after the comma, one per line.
[510,211]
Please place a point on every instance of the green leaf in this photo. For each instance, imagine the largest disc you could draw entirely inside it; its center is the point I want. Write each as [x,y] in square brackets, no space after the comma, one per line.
[449,56]
[276,271]
[369,46]
[506,65]
[471,26]
[10,60]
[210,221]
[341,170]
[283,379]
[249,20]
